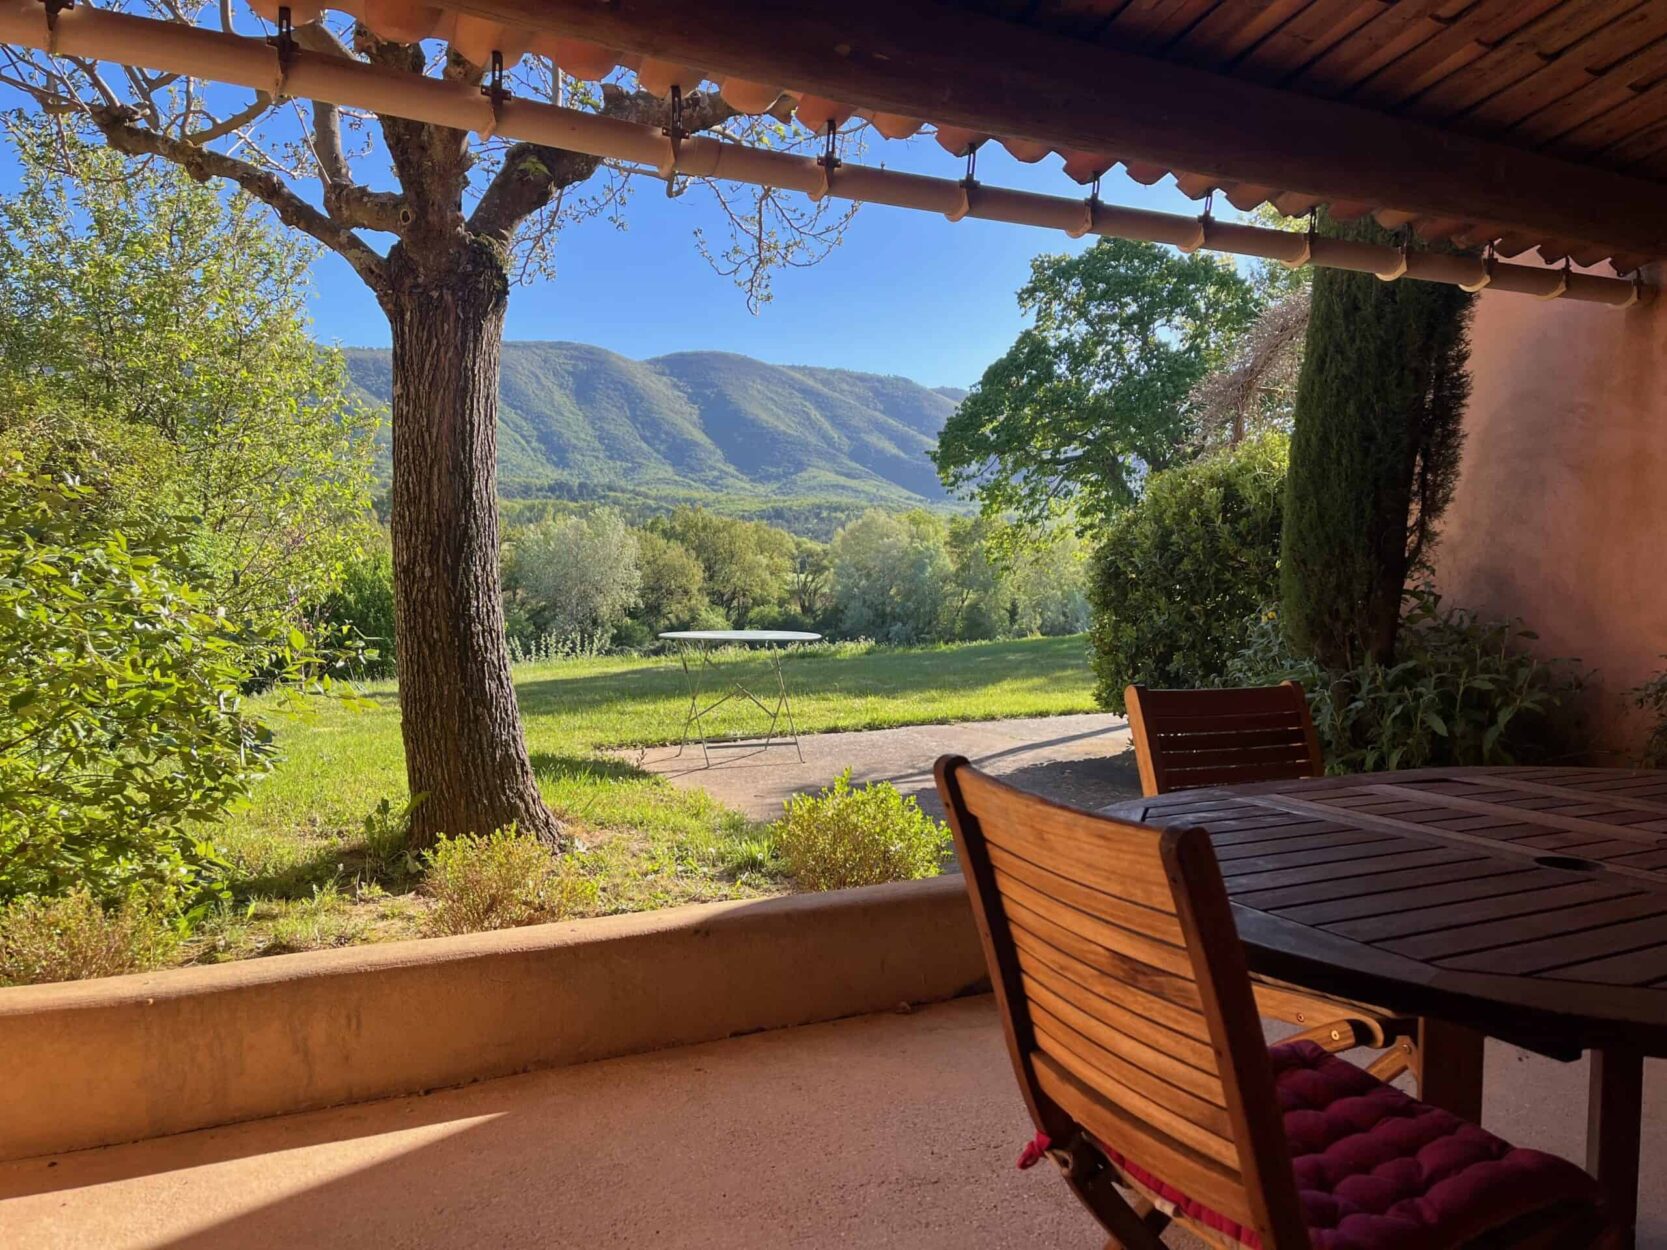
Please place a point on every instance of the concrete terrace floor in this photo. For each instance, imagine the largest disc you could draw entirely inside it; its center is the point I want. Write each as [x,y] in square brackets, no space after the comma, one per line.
[895,1130]
[1083,760]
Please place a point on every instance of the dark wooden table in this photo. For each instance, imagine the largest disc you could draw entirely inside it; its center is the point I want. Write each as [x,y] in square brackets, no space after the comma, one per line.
[1527,904]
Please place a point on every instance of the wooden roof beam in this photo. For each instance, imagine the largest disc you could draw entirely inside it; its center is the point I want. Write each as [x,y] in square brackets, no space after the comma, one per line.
[923,59]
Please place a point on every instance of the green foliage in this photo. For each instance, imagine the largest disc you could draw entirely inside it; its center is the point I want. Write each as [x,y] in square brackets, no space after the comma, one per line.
[155,327]
[673,591]
[387,839]
[1374,454]
[574,576]
[121,721]
[891,577]
[1651,698]
[857,835]
[1094,394]
[1463,691]
[362,607]
[499,882]
[74,937]
[1178,575]
[744,564]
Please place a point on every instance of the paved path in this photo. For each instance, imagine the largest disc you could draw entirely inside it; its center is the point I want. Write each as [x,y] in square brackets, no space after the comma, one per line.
[1082,760]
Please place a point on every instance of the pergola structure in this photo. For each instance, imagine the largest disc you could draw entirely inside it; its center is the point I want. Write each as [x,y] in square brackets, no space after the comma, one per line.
[1506,128]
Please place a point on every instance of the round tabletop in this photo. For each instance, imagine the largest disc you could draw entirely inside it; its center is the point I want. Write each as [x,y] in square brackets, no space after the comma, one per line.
[1527,903]
[739,635]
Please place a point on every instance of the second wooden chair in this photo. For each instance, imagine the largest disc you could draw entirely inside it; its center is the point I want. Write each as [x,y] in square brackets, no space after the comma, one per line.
[1190,739]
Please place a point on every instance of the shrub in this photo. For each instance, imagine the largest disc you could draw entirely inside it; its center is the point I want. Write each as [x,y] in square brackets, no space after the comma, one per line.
[1651,697]
[120,717]
[1180,573]
[1462,691]
[74,938]
[857,835]
[362,607]
[498,882]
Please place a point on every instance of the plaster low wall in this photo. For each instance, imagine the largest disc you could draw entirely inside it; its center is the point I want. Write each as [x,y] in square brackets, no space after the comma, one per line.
[94,1062]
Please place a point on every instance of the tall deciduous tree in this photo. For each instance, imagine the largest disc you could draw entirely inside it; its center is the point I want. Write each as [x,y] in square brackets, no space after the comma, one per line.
[153,323]
[1094,395]
[1374,453]
[466,218]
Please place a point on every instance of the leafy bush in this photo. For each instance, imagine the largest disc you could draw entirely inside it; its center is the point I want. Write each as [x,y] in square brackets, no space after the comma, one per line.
[498,882]
[1180,573]
[1462,691]
[857,835]
[74,938]
[362,607]
[120,717]
[1651,697]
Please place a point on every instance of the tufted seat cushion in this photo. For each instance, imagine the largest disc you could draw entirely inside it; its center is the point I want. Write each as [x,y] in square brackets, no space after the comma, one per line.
[1377,1170]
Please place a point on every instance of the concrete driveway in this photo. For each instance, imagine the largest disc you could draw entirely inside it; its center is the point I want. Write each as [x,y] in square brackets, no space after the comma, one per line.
[1082,760]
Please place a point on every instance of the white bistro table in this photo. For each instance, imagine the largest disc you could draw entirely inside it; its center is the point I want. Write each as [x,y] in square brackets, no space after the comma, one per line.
[694,649]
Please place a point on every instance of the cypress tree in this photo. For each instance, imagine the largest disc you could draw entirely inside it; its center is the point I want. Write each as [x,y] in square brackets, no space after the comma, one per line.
[1374,453]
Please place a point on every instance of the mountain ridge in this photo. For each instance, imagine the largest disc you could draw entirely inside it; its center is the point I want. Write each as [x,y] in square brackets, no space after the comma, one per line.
[578,418]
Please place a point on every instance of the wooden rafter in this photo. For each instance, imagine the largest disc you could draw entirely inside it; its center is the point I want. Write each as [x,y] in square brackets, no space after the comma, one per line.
[920,58]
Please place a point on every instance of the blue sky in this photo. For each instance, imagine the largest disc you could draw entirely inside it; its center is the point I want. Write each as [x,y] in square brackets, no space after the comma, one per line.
[907,293]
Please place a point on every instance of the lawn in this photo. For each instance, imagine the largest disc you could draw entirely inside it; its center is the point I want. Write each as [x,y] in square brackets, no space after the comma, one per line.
[304,874]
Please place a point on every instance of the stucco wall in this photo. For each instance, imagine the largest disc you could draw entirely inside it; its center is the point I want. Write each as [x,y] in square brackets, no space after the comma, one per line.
[1561,512]
[93,1062]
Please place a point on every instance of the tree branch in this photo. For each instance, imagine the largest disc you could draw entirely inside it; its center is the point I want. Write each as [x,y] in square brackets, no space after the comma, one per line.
[120,132]
[532,174]
[239,119]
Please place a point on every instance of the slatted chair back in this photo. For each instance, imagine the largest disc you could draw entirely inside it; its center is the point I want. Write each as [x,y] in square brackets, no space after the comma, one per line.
[1126,998]
[1189,738]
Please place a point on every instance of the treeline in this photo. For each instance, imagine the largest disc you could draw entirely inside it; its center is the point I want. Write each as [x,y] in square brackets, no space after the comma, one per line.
[592,581]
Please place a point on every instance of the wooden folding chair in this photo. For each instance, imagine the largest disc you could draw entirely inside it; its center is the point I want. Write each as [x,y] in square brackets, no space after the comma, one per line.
[1134,1035]
[1189,739]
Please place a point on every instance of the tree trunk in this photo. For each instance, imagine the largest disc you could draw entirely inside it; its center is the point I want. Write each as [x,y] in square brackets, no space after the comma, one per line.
[464,749]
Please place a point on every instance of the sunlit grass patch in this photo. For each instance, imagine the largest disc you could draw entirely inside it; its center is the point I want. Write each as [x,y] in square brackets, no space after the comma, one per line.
[307,872]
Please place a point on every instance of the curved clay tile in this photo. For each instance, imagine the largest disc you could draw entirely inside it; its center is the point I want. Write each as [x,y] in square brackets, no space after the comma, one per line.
[589,61]
[749,97]
[1295,204]
[1245,196]
[1025,150]
[475,40]
[659,77]
[401,21]
[1348,210]
[895,125]
[817,112]
[957,140]
[1144,173]
[1196,186]
[299,13]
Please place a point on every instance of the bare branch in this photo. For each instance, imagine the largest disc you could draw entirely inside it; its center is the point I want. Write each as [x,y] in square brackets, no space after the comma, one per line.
[120,132]
[238,120]
[532,174]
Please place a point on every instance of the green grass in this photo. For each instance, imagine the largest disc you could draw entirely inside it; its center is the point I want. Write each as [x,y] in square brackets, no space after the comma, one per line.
[303,875]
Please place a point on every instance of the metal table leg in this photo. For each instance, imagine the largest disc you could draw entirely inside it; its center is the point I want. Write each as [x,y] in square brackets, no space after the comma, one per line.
[696,682]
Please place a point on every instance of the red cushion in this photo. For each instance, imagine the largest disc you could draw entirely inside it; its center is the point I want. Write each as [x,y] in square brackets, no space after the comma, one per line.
[1377,1170]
